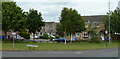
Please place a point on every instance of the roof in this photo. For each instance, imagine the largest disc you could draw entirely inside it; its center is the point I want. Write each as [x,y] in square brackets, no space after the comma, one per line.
[95,18]
[51,23]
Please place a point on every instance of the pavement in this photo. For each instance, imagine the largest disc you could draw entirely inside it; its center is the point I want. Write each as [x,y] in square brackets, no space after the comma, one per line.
[113,52]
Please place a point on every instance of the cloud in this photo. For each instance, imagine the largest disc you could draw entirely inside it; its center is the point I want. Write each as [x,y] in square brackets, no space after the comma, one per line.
[51,9]
[40,0]
[119,4]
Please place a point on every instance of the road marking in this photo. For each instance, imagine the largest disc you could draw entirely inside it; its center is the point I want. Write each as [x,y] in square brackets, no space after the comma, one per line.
[78,52]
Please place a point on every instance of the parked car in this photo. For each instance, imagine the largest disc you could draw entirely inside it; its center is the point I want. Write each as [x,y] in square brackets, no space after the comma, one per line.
[18,37]
[2,37]
[61,40]
[35,37]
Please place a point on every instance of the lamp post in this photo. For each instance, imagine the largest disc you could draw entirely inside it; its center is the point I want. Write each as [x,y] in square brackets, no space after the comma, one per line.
[109,21]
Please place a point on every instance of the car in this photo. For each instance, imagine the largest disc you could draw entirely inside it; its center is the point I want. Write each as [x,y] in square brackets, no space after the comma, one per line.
[61,40]
[2,37]
[35,37]
[18,37]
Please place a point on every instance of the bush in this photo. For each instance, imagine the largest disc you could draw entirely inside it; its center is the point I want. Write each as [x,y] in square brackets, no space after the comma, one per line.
[45,36]
[57,36]
[7,40]
[11,41]
[95,40]
[19,41]
[94,37]
[25,35]
[51,38]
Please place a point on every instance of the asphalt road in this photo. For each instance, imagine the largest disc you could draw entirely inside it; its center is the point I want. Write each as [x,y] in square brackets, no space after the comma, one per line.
[81,53]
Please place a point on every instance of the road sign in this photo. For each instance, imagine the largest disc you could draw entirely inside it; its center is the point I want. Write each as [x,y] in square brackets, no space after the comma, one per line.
[13,33]
[106,32]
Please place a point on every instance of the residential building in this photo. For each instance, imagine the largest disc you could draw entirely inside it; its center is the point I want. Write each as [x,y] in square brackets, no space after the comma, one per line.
[49,28]
[96,21]
[91,23]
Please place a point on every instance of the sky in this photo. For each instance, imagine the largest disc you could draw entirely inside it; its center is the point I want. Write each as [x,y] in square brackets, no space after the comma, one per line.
[51,9]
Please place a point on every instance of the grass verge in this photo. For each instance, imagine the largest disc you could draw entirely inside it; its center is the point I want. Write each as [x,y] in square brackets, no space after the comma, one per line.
[58,46]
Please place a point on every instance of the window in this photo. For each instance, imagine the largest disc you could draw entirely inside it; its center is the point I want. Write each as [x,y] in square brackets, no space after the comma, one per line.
[85,35]
[77,34]
[96,25]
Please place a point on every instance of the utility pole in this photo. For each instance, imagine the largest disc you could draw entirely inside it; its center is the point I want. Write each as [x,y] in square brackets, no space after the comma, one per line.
[109,21]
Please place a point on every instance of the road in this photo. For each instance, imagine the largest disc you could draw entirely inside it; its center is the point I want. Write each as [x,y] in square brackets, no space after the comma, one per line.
[113,52]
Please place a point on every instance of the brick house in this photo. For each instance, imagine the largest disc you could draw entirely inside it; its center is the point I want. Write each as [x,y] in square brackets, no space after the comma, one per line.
[95,22]
[49,28]
[91,22]
[8,34]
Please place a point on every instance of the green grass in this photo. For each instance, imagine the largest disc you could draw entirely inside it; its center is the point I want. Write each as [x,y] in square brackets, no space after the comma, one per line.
[59,46]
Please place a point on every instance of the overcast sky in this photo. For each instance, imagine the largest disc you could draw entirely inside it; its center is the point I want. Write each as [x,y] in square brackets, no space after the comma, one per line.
[51,9]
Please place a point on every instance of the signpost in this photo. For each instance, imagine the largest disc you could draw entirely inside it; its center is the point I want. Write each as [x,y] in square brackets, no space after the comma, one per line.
[106,32]
[65,41]
[106,38]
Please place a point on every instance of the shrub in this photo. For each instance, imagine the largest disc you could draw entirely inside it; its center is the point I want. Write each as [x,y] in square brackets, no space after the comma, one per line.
[57,36]
[11,41]
[94,37]
[45,36]
[7,40]
[19,41]
[95,40]
[25,35]
[51,38]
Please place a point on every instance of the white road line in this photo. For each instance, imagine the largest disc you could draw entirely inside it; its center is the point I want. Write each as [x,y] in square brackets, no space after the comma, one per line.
[78,52]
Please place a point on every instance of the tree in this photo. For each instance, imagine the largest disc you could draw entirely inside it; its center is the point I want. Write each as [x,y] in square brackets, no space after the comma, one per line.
[34,21]
[94,36]
[60,30]
[70,22]
[114,21]
[12,17]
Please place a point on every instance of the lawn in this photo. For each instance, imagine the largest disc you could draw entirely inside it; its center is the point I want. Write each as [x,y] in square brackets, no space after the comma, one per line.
[58,46]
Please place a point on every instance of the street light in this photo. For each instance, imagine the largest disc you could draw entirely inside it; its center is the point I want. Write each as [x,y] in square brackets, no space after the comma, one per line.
[109,20]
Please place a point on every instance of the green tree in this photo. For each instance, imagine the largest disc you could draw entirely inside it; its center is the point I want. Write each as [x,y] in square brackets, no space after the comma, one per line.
[34,21]
[60,30]
[70,21]
[94,36]
[12,17]
[114,21]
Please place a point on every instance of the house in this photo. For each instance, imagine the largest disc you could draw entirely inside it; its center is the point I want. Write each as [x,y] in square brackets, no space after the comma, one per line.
[96,21]
[8,34]
[91,22]
[49,28]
